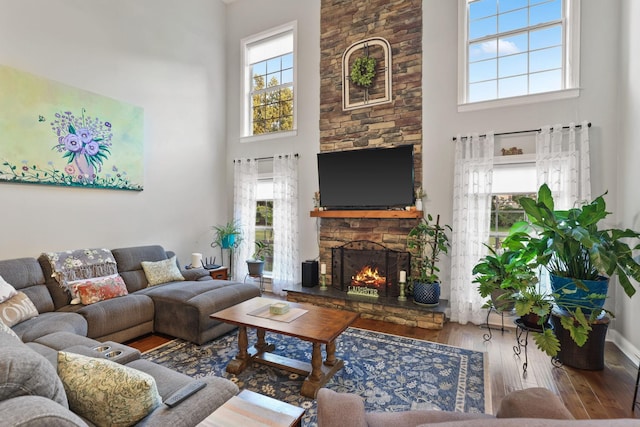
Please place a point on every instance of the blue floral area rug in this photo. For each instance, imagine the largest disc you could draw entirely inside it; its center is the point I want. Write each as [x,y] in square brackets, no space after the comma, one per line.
[391,373]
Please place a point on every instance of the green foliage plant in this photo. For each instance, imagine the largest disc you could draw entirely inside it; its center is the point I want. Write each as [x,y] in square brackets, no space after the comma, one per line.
[262,250]
[223,232]
[363,71]
[426,242]
[507,270]
[570,243]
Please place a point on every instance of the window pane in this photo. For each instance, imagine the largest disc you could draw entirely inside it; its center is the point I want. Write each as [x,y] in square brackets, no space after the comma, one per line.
[483,50]
[512,86]
[546,37]
[287,76]
[546,12]
[482,91]
[483,70]
[513,65]
[546,59]
[259,68]
[507,5]
[513,44]
[287,61]
[482,27]
[512,20]
[273,79]
[481,9]
[546,81]
[273,65]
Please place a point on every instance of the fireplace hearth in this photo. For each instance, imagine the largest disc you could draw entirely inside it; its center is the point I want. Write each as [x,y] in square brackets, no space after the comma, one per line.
[368,269]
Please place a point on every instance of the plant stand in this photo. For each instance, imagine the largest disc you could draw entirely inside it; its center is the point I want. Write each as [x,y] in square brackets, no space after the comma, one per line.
[523,330]
[635,393]
[591,355]
[487,325]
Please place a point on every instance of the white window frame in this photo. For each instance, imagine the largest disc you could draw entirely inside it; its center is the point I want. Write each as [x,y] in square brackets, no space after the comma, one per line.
[245,122]
[571,81]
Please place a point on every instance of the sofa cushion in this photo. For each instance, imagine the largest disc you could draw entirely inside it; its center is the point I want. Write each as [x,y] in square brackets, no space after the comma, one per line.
[98,289]
[117,314]
[23,372]
[129,259]
[7,330]
[47,323]
[6,290]
[36,411]
[527,403]
[25,275]
[105,392]
[17,309]
[164,271]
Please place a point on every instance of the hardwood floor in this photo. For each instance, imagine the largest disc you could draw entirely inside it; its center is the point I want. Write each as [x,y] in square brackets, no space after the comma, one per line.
[587,394]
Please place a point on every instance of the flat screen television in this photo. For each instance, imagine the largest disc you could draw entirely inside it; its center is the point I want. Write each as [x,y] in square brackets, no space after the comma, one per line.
[369,178]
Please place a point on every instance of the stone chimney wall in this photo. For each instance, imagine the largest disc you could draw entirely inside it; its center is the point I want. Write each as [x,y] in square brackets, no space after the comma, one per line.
[399,122]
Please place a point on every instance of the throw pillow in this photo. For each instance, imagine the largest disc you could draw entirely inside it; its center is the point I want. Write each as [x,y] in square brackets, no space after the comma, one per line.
[6,290]
[98,289]
[105,392]
[17,309]
[4,328]
[162,271]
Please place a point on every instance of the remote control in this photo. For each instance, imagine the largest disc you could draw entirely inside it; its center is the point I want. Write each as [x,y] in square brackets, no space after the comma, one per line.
[183,393]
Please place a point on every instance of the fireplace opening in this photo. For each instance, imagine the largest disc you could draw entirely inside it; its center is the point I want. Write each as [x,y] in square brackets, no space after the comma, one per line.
[367,268]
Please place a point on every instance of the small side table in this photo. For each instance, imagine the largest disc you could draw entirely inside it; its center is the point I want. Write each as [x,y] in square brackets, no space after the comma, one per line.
[523,329]
[221,273]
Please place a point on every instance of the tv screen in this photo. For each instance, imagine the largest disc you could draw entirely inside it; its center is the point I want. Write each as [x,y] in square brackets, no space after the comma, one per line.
[371,178]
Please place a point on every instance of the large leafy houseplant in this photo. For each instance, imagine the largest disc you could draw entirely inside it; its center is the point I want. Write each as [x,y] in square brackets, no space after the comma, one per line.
[426,242]
[571,244]
[502,273]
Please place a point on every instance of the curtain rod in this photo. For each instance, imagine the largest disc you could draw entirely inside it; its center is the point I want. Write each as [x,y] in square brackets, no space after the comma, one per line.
[260,159]
[521,131]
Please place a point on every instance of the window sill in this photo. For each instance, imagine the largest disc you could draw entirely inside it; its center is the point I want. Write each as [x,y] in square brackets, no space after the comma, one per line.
[519,100]
[268,136]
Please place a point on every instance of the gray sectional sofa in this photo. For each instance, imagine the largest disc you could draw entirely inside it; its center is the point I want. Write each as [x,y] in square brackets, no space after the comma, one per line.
[178,308]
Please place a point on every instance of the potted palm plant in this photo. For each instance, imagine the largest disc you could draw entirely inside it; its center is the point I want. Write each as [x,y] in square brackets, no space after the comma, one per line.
[580,256]
[256,263]
[426,242]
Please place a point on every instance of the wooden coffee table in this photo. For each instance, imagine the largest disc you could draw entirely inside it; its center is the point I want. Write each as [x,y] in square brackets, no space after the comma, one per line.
[318,325]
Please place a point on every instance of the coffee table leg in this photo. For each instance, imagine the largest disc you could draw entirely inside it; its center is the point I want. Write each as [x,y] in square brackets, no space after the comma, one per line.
[238,364]
[312,383]
[262,345]
[331,354]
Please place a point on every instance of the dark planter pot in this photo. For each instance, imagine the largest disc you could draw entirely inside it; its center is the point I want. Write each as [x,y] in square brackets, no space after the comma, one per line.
[427,294]
[577,295]
[255,268]
[591,355]
[500,302]
[532,320]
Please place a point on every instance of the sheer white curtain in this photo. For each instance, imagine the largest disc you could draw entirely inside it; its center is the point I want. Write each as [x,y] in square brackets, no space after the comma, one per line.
[286,261]
[245,184]
[471,223]
[562,162]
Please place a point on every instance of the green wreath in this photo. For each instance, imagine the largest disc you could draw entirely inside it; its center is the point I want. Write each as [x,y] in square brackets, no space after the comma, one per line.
[363,71]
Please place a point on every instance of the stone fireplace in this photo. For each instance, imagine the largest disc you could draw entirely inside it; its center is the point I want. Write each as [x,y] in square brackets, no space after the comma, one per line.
[368,268]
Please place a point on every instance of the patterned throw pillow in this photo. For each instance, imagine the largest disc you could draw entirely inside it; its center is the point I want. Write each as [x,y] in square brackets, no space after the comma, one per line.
[6,290]
[4,328]
[107,393]
[99,289]
[17,309]
[162,271]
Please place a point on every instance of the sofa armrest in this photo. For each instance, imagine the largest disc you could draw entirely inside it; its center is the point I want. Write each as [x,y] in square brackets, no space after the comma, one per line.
[534,402]
[195,274]
[340,409]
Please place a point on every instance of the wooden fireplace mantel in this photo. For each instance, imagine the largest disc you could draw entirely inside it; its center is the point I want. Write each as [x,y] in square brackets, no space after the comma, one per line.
[366,214]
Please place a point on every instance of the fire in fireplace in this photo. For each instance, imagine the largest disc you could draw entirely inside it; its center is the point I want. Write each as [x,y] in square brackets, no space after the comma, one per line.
[367,268]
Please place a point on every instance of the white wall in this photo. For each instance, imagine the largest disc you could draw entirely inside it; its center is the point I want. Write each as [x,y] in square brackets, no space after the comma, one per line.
[249,17]
[627,157]
[162,55]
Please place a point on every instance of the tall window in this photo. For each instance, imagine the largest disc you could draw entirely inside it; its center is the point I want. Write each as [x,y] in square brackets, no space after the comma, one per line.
[511,181]
[264,219]
[518,47]
[269,82]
